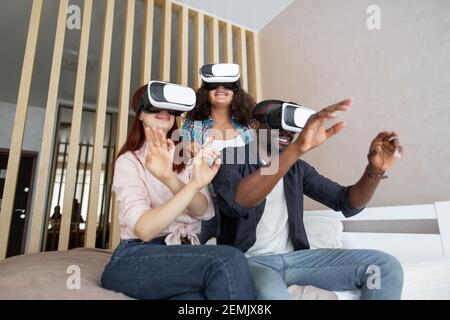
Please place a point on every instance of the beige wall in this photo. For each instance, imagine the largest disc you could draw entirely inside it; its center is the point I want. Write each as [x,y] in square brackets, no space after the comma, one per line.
[317,52]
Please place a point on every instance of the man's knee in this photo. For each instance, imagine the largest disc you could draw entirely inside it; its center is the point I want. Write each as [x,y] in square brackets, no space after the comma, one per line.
[268,283]
[394,267]
[388,265]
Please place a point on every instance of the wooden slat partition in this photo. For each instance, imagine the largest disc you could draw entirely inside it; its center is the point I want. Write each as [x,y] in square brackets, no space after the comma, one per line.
[213,50]
[69,189]
[166,26]
[182,52]
[49,127]
[199,44]
[124,100]
[228,42]
[19,127]
[147,39]
[242,55]
[99,131]
[183,40]
[247,50]
[253,65]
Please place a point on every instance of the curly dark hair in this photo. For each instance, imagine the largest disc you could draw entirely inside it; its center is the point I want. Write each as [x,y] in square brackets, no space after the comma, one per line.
[241,106]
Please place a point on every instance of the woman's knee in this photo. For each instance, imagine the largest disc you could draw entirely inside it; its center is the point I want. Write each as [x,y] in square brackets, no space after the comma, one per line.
[229,267]
[107,280]
[231,255]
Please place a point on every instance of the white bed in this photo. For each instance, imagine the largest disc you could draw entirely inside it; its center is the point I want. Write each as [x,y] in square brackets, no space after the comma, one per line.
[418,235]
[422,281]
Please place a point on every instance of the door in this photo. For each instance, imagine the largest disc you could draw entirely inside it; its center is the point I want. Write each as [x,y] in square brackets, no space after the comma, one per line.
[22,199]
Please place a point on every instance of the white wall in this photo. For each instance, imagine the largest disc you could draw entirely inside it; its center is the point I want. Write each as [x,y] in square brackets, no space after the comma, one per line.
[317,52]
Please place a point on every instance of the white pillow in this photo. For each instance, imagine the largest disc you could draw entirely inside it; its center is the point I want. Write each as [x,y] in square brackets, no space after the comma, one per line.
[323,231]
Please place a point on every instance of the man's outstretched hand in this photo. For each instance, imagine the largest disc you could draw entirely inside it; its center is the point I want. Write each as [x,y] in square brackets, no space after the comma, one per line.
[314,133]
[384,150]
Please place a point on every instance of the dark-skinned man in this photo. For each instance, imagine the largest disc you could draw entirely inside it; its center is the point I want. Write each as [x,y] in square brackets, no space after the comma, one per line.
[261,213]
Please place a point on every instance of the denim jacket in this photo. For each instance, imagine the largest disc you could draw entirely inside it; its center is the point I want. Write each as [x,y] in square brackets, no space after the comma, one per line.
[198,130]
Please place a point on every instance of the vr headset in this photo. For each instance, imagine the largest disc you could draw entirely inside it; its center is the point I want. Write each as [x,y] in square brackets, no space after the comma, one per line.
[287,116]
[171,97]
[220,74]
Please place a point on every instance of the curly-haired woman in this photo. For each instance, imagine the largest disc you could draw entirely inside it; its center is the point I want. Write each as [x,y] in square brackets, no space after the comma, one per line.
[222,111]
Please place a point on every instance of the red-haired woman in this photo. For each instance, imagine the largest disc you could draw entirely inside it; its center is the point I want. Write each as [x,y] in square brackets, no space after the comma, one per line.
[161,206]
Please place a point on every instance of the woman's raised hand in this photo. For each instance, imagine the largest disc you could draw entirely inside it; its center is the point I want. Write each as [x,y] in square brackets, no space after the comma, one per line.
[205,165]
[159,158]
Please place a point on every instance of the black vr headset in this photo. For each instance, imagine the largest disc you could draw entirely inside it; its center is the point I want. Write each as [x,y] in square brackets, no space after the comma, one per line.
[170,97]
[220,74]
[287,116]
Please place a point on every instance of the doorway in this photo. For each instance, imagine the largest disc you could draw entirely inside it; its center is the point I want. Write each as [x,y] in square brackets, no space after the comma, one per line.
[22,199]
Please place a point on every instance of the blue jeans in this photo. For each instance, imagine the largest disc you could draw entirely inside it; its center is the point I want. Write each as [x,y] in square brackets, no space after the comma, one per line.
[152,270]
[378,274]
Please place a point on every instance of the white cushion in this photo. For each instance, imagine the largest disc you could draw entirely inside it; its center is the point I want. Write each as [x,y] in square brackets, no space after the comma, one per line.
[323,231]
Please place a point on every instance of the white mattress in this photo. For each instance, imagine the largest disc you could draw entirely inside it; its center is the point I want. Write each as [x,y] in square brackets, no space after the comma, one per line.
[425,280]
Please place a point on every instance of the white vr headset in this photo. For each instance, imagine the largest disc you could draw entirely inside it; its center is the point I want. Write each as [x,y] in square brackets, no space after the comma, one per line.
[171,97]
[286,115]
[220,74]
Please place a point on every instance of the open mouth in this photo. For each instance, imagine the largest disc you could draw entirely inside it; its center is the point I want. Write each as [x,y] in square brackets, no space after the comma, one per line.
[284,140]
[221,93]
[164,115]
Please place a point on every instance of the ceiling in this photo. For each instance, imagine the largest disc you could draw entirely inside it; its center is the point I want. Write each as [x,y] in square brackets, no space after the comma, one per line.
[241,12]
[14,16]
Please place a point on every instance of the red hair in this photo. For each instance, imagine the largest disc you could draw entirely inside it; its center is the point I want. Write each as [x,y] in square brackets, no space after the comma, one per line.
[136,137]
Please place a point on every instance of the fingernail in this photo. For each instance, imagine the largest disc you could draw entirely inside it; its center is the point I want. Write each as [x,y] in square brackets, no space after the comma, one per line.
[397,154]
